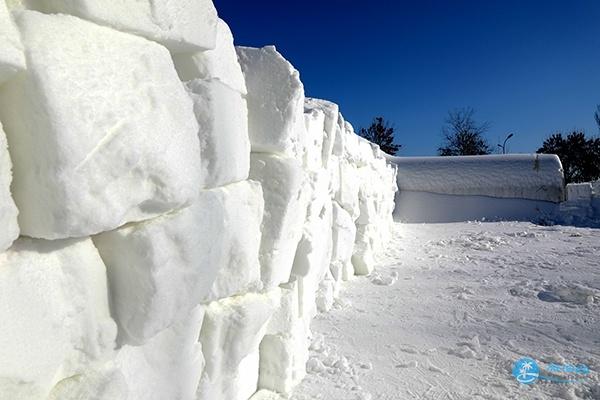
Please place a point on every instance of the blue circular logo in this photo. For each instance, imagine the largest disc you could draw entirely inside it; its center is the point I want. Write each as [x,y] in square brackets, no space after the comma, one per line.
[526,370]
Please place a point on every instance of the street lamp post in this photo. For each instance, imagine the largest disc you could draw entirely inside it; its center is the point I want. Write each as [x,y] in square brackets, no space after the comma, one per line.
[503,145]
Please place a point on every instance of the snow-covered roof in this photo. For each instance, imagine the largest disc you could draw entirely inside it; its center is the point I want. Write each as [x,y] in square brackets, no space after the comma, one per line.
[522,176]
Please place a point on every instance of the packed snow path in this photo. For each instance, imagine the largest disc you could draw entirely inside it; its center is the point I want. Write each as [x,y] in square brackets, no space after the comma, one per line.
[453,306]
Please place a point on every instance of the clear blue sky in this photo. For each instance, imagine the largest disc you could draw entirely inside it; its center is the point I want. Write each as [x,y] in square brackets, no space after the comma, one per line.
[528,67]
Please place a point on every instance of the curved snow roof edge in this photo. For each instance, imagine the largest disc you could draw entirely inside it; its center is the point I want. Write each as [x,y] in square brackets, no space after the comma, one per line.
[520,176]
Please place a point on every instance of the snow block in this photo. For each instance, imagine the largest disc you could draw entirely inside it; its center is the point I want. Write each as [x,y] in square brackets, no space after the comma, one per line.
[168,366]
[183,25]
[340,135]
[344,234]
[347,195]
[363,256]
[314,122]
[275,101]
[54,312]
[106,383]
[326,293]
[220,63]
[160,269]
[231,334]
[518,176]
[100,129]
[581,192]
[287,309]
[283,360]
[331,112]
[313,257]
[285,210]
[8,209]
[12,59]
[222,115]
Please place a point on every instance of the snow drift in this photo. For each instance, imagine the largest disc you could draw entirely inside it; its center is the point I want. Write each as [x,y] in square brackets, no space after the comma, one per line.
[184,209]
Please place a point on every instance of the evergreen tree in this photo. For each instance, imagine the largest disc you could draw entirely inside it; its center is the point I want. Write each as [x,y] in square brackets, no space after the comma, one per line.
[580,156]
[382,133]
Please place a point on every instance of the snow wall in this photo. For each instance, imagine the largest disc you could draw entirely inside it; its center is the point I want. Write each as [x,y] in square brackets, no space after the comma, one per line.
[582,206]
[450,189]
[177,211]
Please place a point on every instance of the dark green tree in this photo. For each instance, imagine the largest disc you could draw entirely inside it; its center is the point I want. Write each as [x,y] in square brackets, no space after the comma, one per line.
[580,156]
[382,133]
[597,116]
[463,136]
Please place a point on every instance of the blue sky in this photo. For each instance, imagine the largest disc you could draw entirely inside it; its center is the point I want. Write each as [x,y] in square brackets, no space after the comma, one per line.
[528,67]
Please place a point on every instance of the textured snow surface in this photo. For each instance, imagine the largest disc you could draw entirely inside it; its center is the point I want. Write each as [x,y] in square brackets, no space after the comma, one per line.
[330,111]
[453,306]
[8,209]
[54,313]
[527,176]
[222,116]
[12,59]
[160,269]
[231,334]
[281,180]
[275,101]
[219,63]
[173,355]
[182,25]
[100,129]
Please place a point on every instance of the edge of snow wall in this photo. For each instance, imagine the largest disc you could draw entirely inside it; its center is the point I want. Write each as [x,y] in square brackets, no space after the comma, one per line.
[174,210]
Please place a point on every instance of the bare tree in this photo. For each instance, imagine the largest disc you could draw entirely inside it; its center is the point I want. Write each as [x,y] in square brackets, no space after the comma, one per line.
[462,135]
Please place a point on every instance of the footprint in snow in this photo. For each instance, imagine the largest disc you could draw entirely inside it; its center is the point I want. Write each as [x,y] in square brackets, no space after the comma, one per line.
[380,280]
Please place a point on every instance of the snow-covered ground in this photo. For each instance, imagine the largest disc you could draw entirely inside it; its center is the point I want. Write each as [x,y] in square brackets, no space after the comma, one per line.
[453,306]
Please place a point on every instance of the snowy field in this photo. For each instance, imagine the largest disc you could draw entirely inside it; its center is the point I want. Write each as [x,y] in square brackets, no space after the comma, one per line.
[453,306]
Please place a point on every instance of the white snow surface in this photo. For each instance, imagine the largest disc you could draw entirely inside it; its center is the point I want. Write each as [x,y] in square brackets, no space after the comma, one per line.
[222,115]
[219,63]
[275,101]
[159,270]
[451,307]
[12,59]
[99,127]
[8,209]
[183,25]
[281,179]
[54,313]
[231,334]
[521,176]
[174,355]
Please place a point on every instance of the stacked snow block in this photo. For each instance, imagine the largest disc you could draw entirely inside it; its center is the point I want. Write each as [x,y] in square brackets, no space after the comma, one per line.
[174,210]
[328,206]
[582,204]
